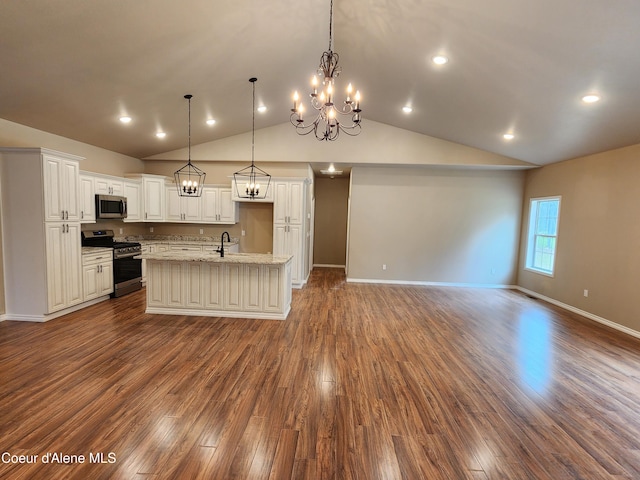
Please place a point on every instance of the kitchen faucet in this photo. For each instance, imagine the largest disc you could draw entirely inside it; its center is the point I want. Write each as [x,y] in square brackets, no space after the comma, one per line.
[221,249]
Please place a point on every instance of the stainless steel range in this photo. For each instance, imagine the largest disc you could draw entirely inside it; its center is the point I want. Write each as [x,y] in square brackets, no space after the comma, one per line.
[127,270]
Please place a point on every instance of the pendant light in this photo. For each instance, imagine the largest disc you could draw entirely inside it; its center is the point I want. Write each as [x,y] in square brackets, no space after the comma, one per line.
[252,182]
[331,118]
[189,179]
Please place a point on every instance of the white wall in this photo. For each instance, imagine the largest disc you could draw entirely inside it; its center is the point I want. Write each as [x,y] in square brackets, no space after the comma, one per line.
[435,224]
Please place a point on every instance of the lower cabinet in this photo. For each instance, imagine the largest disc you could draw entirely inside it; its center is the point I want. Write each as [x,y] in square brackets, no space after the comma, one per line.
[63,265]
[97,275]
[221,288]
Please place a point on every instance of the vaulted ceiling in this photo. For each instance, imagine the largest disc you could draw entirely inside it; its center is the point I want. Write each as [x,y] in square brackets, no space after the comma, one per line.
[73,67]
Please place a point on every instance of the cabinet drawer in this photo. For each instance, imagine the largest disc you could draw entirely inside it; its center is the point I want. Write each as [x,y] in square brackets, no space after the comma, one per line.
[94,258]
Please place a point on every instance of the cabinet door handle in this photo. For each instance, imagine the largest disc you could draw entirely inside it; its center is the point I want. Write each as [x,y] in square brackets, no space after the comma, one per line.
[82,215]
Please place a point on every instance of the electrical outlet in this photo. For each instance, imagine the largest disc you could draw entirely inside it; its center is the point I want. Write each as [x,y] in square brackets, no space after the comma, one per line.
[151,229]
[384,266]
[493,271]
[586,293]
[201,231]
[121,230]
[243,233]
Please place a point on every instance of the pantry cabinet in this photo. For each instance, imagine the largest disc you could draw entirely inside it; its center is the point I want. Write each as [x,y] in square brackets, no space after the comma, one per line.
[64,283]
[61,188]
[290,226]
[47,278]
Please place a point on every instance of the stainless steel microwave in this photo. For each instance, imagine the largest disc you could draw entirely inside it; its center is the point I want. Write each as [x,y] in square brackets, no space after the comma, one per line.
[111,206]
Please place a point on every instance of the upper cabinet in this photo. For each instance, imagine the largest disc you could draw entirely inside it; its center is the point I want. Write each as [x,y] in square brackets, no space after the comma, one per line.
[87,198]
[288,205]
[218,206]
[236,198]
[214,206]
[133,193]
[153,196]
[107,185]
[182,209]
[61,188]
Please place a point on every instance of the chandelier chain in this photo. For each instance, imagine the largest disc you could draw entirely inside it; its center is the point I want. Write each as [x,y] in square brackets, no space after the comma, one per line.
[331,27]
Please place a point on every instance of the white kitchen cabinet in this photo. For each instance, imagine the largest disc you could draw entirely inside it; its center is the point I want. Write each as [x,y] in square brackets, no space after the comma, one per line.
[213,286]
[218,206]
[153,193]
[150,248]
[288,240]
[216,288]
[182,209]
[61,188]
[289,225]
[64,285]
[108,185]
[236,198]
[45,278]
[97,274]
[133,193]
[87,198]
[289,201]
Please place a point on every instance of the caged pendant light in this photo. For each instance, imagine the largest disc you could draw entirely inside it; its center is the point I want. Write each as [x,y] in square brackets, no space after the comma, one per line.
[189,179]
[252,182]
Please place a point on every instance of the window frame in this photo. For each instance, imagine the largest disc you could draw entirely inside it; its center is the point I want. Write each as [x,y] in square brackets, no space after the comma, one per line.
[531,235]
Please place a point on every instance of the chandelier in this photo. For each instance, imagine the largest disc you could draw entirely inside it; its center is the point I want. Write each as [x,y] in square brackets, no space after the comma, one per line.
[327,124]
[189,179]
[252,182]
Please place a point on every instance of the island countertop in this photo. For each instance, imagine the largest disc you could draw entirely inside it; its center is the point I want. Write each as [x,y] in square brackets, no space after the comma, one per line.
[212,257]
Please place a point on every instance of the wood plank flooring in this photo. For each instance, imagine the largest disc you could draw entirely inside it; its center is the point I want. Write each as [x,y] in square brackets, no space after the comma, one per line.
[360,382]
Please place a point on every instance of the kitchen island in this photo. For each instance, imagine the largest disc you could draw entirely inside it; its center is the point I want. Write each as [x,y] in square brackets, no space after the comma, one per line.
[242,285]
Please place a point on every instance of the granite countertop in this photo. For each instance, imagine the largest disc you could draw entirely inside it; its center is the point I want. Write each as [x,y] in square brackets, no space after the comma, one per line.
[250,258]
[89,250]
[175,239]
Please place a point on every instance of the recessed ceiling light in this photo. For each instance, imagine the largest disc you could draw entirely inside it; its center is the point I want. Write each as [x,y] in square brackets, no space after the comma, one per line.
[508,136]
[440,59]
[211,121]
[262,109]
[591,98]
[125,119]
[407,109]
[161,134]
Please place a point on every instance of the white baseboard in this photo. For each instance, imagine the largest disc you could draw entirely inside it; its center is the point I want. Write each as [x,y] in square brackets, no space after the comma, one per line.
[584,313]
[326,265]
[18,317]
[428,284]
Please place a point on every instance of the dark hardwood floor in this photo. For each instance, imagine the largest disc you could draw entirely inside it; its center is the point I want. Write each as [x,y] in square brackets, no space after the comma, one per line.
[360,382]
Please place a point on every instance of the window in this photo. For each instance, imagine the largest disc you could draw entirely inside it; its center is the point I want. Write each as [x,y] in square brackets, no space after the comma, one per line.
[543,234]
